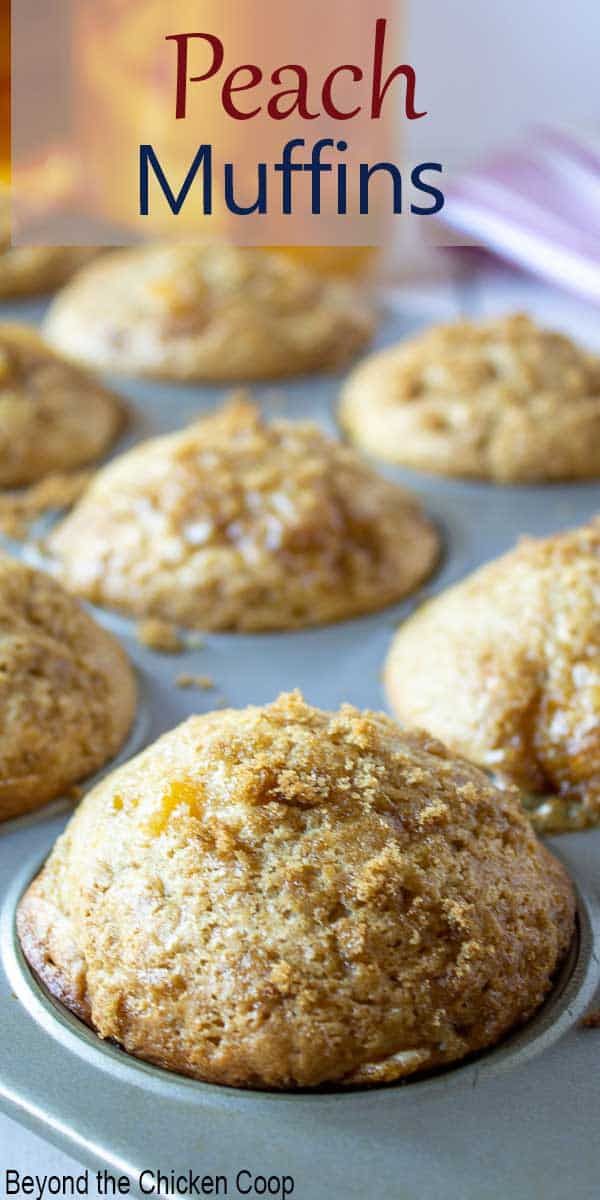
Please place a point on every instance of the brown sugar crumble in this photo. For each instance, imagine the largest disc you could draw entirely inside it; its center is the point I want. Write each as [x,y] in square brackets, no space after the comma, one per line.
[67,692]
[58,491]
[591,1020]
[159,635]
[327,897]
[267,526]
[203,683]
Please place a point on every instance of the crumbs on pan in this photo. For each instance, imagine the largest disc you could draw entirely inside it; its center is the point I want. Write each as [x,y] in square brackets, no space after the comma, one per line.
[553,814]
[159,635]
[591,1020]
[203,682]
[20,508]
[194,640]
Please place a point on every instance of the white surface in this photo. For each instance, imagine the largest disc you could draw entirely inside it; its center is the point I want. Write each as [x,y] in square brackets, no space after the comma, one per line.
[488,71]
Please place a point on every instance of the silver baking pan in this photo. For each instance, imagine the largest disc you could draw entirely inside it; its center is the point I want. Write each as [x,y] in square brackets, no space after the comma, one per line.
[518,1121]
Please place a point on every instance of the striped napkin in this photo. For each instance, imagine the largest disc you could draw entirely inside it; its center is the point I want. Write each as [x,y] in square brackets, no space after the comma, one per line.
[538,207]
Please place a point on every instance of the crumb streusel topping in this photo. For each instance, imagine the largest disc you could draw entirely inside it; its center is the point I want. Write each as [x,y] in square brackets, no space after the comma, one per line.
[53,416]
[67,692]
[503,400]
[208,312]
[282,897]
[236,523]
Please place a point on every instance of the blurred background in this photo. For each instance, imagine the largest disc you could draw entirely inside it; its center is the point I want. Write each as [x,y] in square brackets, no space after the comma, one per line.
[5,90]
[499,82]
[491,71]
[488,71]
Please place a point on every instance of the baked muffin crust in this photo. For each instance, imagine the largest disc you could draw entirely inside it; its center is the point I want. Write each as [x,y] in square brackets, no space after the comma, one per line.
[53,416]
[239,524]
[67,692]
[502,400]
[30,270]
[505,667]
[213,312]
[281,897]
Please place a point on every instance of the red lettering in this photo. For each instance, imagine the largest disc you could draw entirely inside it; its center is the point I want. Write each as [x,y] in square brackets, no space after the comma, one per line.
[300,92]
[294,99]
[229,87]
[379,90]
[330,108]
[218,54]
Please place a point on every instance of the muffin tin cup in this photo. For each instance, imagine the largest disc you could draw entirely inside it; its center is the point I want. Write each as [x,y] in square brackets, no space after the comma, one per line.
[573,989]
[517,1119]
[111,1110]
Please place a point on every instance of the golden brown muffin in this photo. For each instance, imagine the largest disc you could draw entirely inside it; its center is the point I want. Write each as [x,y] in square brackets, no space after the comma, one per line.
[53,416]
[505,668]
[237,524]
[67,692]
[503,400]
[281,897]
[212,312]
[30,270]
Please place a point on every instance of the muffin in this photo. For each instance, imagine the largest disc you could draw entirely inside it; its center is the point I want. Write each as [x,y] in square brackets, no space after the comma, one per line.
[67,693]
[213,312]
[30,270]
[505,668]
[281,897]
[238,524]
[502,400]
[53,416]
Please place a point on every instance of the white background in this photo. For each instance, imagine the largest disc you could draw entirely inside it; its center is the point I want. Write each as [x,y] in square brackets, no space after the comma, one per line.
[490,70]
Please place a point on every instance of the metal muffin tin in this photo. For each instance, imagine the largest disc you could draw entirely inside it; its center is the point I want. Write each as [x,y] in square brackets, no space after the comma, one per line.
[519,1120]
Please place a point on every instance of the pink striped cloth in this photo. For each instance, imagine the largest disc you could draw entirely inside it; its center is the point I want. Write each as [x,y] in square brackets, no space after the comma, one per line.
[538,207]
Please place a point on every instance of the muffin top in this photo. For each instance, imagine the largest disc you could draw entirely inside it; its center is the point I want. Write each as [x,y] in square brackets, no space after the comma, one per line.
[67,692]
[207,312]
[505,667]
[502,400]
[53,416]
[282,897]
[27,270]
[239,524]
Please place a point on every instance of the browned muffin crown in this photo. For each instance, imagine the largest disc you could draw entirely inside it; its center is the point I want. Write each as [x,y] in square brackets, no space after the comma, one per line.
[211,311]
[67,692]
[501,399]
[235,523]
[53,417]
[282,897]
[29,270]
[505,667]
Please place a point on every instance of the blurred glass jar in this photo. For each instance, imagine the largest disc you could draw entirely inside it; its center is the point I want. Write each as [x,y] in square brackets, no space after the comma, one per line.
[5,91]
[334,260]
[120,37]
